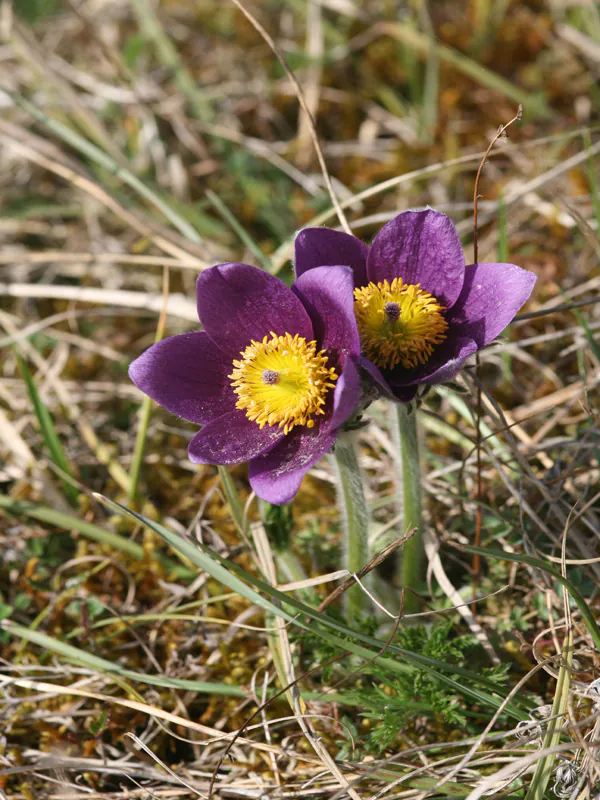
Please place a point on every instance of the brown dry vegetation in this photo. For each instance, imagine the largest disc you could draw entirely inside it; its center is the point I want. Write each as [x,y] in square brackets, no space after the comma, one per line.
[139,135]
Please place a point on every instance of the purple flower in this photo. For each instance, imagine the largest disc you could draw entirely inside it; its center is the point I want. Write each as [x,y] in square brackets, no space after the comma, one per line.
[420,311]
[271,378]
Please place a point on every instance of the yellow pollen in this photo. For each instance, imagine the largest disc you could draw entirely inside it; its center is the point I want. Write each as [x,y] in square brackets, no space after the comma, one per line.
[282,381]
[398,323]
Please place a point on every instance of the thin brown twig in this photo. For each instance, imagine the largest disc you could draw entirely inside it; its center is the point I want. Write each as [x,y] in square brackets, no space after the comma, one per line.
[374,562]
[301,99]
[479,492]
[590,301]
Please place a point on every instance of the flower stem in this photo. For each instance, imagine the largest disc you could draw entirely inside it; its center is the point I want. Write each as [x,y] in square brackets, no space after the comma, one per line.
[413,555]
[351,499]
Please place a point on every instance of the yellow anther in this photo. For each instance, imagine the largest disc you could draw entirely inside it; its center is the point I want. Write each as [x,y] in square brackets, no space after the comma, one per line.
[398,323]
[282,381]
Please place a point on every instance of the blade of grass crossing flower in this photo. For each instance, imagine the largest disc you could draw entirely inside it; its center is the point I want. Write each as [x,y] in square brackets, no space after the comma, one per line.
[545,766]
[238,229]
[226,572]
[53,443]
[520,558]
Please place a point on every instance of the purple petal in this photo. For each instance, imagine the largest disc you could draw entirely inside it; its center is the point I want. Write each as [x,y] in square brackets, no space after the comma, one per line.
[445,363]
[321,247]
[238,303]
[420,247]
[276,476]
[377,378]
[327,293]
[232,439]
[186,374]
[490,298]
[346,395]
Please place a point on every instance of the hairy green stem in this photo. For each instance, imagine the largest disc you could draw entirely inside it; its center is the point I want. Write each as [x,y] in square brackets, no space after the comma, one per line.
[413,555]
[351,499]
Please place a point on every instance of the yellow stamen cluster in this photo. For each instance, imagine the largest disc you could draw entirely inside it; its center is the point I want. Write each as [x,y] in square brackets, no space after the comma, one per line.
[282,381]
[398,323]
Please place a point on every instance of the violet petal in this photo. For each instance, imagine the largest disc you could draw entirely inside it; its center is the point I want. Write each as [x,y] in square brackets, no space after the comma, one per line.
[490,298]
[322,247]
[447,360]
[376,376]
[238,303]
[276,476]
[346,395]
[327,293]
[420,247]
[232,439]
[186,374]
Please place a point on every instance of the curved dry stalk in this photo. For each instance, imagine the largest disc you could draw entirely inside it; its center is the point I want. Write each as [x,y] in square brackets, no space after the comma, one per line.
[301,99]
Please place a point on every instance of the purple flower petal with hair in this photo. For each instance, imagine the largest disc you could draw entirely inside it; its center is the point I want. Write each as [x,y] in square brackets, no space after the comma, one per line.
[322,247]
[420,311]
[272,377]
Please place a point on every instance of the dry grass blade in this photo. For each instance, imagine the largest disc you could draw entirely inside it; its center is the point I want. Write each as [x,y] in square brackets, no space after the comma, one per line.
[129,129]
[301,99]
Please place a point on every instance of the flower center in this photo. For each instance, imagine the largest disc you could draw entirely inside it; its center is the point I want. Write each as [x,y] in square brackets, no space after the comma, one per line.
[282,381]
[398,323]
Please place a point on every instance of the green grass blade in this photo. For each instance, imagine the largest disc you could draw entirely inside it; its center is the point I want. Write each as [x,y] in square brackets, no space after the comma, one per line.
[53,443]
[533,104]
[76,656]
[594,346]
[519,558]
[167,54]
[238,229]
[234,501]
[48,516]
[544,767]
[593,179]
[465,411]
[502,230]
[234,577]
[58,519]
[137,458]
[102,159]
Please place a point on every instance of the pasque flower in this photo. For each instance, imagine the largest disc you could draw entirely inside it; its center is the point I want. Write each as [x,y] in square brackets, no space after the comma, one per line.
[271,378]
[420,310]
